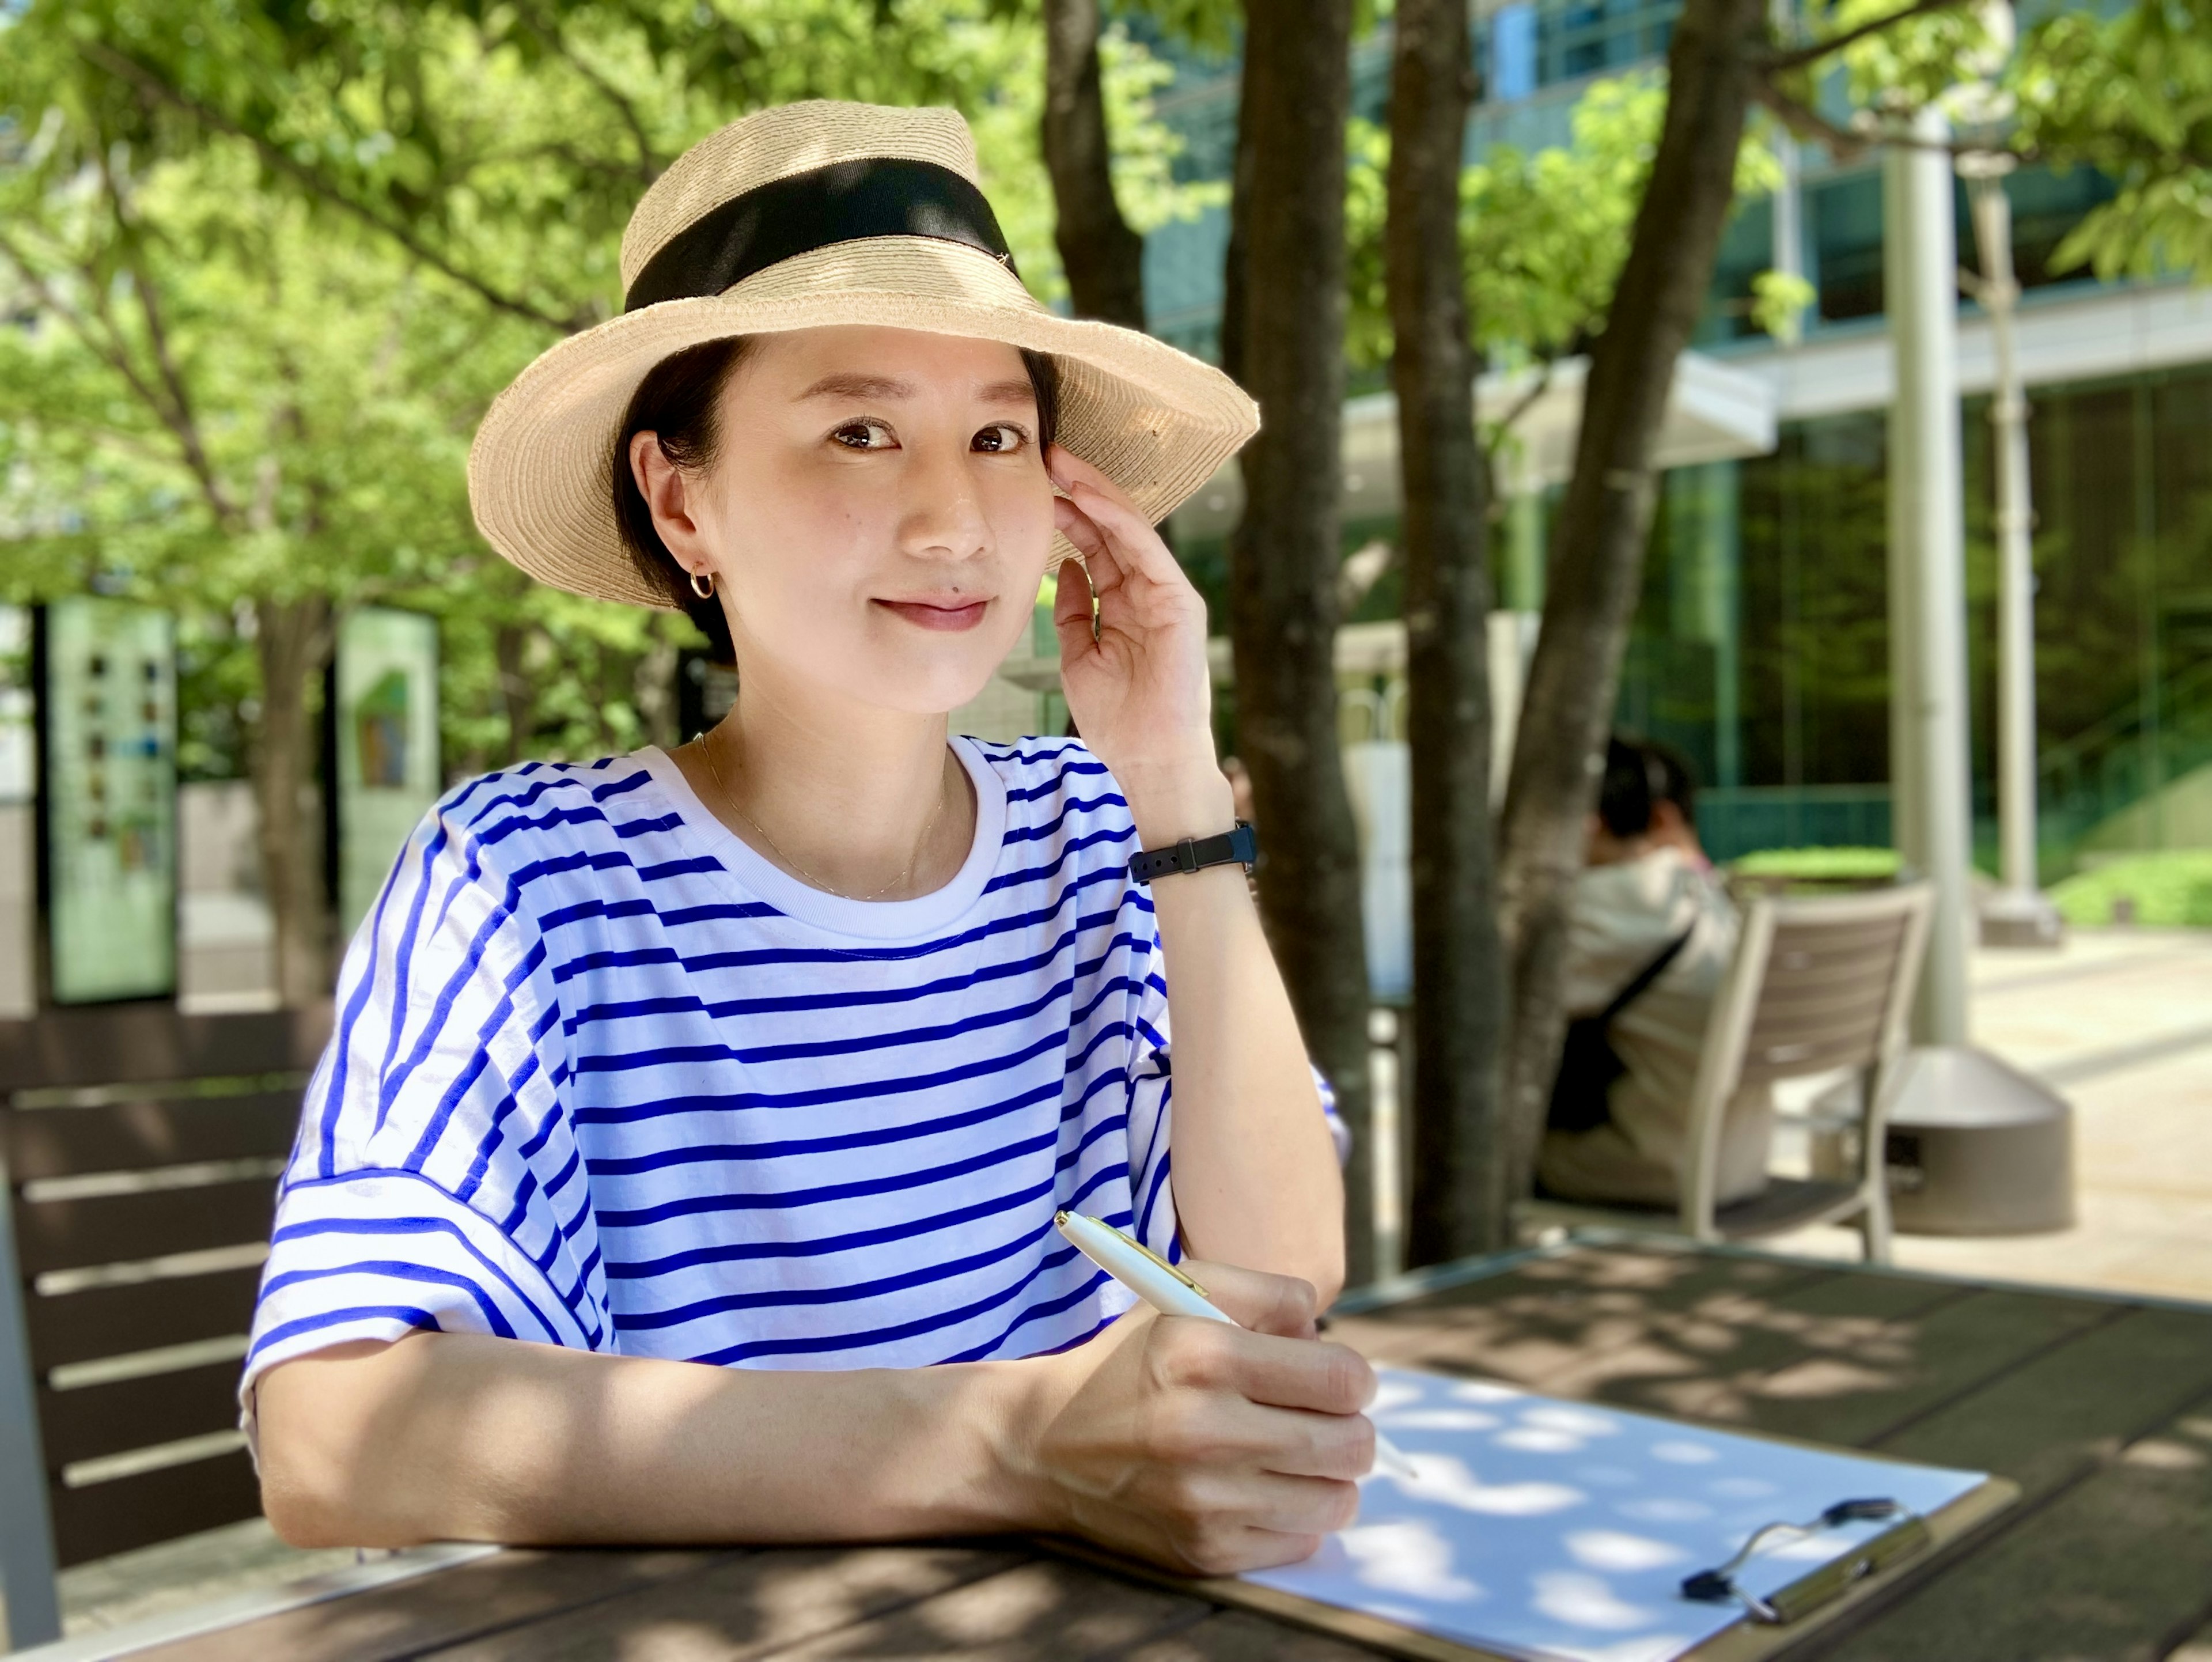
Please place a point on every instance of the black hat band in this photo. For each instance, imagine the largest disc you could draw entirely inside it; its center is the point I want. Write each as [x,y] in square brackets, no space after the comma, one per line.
[843,202]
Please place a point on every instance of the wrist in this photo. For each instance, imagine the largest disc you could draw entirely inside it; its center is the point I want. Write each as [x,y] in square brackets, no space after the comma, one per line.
[1017,1403]
[1180,797]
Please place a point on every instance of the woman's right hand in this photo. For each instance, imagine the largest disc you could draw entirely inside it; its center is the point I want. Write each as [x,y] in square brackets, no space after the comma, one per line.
[1207,1448]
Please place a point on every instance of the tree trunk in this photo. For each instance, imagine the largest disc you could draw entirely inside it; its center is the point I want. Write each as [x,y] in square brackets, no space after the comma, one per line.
[292,640]
[1105,259]
[1284,558]
[518,698]
[1604,520]
[1458,1000]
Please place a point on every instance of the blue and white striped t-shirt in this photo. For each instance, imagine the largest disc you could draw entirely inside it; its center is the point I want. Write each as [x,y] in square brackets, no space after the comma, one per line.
[604,1077]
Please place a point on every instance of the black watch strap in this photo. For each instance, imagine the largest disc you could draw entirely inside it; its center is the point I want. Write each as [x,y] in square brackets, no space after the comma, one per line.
[1238,847]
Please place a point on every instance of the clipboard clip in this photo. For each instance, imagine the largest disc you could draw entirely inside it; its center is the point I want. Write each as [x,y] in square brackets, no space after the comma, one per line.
[1832,1581]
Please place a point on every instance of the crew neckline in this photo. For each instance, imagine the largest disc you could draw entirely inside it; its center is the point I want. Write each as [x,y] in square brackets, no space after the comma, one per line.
[873,920]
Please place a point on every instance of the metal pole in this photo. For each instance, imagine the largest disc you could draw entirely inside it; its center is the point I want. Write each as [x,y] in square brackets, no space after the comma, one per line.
[2020,914]
[1930,783]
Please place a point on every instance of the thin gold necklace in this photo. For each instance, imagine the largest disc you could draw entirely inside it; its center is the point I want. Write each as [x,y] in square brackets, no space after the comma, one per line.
[707,748]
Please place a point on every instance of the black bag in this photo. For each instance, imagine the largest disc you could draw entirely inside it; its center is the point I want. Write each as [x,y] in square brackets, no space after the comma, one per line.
[1582,1095]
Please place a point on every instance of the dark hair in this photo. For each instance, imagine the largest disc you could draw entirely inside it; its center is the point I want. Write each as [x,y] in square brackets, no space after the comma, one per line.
[1639,775]
[680,400]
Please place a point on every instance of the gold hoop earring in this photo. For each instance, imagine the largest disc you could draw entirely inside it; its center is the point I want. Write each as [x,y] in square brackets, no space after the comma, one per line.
[702,584]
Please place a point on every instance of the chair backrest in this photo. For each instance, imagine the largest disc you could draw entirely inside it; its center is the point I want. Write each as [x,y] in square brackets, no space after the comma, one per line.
[140,1149]
[1817,985]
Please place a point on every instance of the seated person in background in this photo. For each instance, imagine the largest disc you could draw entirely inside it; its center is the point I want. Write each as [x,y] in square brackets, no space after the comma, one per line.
[1652,934]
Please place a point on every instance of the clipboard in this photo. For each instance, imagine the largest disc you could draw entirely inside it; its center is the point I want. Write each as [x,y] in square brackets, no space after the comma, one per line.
[1744,1640]
[1868,1572]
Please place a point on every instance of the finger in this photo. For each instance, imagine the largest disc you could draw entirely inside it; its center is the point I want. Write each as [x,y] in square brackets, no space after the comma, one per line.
[1072,613]
[1066,469]
[1263,1302]
[1127,532]
[1294,1441]
[1188,1353]
[1268,1500]
[1100,563]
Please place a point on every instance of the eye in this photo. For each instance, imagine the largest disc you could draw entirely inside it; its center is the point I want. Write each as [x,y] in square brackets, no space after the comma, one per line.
[1000,438]
[865,434]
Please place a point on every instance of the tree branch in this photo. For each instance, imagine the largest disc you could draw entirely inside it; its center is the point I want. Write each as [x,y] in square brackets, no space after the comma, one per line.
[152,85]
[177,413]
[1781,62]
[1804,122]
[649,164]
[1502,429]
[111,352]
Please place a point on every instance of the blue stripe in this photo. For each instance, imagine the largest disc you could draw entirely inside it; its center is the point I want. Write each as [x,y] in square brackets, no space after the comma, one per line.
[575,1006]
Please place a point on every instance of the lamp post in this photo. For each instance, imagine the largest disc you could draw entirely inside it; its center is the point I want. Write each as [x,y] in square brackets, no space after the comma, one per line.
[1930,783]
[2020,914]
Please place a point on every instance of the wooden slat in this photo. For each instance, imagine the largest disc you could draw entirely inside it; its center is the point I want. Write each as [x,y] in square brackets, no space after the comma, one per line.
[1826,973]
[2118,1568]
[1862,1002]
[128,1136]
[1794,1061]
[747,1606]
[2047,1423]
[137,1043]
[70,1234]
[1568,1325]
[2058,1418]
[1240,1637]
[159,1408]
[114,1517]
[1958,1349]
[1854,1330]
[1047,1610]
[417,1617]
[1792,940]
[114,1321]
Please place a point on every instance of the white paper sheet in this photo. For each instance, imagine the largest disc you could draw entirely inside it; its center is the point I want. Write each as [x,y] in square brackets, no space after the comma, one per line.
[1551,1530]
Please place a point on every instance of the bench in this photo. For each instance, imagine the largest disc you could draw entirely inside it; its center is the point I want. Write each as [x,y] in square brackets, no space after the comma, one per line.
[139,1150]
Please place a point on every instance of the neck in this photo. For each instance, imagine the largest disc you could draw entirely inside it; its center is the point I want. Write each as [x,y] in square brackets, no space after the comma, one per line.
[867,802]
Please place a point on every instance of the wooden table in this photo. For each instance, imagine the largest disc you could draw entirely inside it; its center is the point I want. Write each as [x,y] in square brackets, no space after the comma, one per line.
[2101,1410]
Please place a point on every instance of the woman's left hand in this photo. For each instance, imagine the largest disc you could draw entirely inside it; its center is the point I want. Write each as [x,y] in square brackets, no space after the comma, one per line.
[1138,691]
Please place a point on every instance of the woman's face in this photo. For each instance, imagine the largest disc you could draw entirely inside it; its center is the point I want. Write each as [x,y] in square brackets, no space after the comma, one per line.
[879,516]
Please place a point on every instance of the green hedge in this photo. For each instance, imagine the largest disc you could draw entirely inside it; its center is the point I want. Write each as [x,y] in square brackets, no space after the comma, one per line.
[1820,865]
[2170,890]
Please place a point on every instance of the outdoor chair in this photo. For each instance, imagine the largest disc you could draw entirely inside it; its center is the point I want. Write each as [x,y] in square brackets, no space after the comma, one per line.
[139,1152]
[1817,985]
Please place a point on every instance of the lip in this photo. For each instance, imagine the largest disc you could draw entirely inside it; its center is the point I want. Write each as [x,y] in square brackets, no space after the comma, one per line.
[950,617]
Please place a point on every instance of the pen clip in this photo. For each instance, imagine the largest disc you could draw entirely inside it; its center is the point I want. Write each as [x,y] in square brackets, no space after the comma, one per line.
[1165,1265]
[1059,1220]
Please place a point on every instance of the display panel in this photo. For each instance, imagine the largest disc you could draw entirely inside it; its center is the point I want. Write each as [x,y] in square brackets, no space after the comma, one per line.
[387,752]
[111,800]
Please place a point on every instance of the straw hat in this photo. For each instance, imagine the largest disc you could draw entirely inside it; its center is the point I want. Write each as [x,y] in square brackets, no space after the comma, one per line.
[808,215]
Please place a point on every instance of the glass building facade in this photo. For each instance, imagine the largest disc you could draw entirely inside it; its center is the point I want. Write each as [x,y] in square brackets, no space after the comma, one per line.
[1760,647]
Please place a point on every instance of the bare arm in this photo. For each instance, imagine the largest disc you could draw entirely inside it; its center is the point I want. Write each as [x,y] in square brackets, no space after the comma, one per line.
[1255,1176]
[1197,1445]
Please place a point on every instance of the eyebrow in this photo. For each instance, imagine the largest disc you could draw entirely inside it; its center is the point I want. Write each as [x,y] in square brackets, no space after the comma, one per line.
[853,386]
[857,386]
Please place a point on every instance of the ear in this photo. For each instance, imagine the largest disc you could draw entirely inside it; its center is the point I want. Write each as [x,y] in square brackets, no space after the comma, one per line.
[667,496]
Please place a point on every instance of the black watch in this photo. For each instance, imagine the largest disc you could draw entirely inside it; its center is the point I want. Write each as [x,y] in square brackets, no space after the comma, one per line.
[1240,846]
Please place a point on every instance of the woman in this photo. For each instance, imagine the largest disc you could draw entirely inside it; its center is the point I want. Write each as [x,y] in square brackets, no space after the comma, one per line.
[683,1164]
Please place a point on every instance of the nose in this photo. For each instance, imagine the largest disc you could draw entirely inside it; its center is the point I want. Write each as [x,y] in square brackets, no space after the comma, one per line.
[943,517]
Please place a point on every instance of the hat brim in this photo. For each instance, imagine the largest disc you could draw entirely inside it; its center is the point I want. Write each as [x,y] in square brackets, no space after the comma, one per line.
[1154,420]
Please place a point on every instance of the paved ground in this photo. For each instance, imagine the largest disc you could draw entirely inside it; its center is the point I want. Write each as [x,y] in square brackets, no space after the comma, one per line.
[2120,1020]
